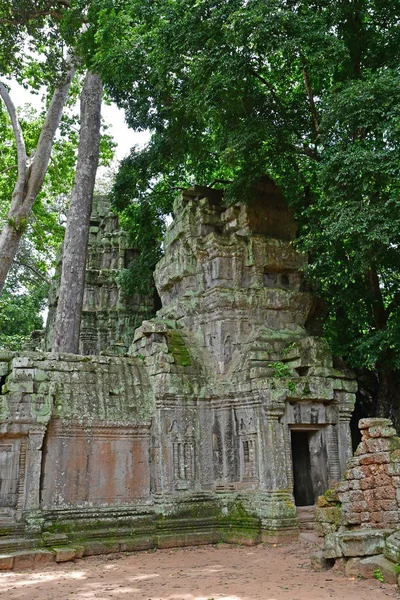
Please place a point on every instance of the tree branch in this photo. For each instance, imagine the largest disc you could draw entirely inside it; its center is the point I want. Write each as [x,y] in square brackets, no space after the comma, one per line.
[9,169]
[304,149]
[42,155]
[31,268]
[310,95]
[19,139]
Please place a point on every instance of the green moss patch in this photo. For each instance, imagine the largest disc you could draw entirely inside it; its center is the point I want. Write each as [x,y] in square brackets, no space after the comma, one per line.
[177,347]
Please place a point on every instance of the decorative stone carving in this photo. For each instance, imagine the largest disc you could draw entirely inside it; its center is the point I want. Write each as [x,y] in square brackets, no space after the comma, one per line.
[198,433]
[109,316]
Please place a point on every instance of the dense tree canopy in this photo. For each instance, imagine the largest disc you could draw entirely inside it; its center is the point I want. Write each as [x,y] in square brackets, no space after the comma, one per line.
[36,51]
[306,92]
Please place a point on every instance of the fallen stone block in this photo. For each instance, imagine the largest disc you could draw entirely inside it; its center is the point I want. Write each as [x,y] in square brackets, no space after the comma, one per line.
[6,562]
[320,563]
[28,559]
[332,548]
[363,543]
[373,566]
[392,547]
[64,553]
[355,543]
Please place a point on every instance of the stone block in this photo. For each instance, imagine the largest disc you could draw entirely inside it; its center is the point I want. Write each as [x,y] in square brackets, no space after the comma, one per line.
[382,431]
[51,539]
[355,473]
[330,514]
[64,553]
[377,445]
[136,544]
[28,559]
[6,562]
[103,547]
[367,484]
[322,529]
[385,493]
[393,468]
[383,480]
[375,458]
[320,563]
[373,422]
[371,566]
[392,547]
[79,550]
[332,547]
[363,543]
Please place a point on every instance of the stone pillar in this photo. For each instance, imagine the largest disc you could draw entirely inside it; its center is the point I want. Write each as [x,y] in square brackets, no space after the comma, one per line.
[332,446]
[346,403]
[275,451]
[31,500]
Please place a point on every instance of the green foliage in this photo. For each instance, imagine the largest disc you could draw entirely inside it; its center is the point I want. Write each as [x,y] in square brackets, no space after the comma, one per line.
[305,92]
[19,316]
[280,369]
[379,575]
[144,218]
[352,226]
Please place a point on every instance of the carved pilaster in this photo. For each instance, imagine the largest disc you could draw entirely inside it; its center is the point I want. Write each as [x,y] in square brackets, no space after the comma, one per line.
[332,447]
[33,468]
[275,446]
[345,401]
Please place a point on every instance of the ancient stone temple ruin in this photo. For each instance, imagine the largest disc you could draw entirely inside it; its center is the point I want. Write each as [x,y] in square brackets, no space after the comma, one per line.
[223,417]
[360,515]
[109,316]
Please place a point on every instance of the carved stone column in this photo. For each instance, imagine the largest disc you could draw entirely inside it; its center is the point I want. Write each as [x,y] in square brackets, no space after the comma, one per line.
[275,450]
[31,500]
[346,403]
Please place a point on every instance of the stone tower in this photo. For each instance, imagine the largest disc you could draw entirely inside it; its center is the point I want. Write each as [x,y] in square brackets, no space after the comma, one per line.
[225,415]
[109,316]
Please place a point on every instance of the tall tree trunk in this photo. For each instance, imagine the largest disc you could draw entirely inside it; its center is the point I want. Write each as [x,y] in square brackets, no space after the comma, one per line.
[69,308]
[385,396]
[30,177]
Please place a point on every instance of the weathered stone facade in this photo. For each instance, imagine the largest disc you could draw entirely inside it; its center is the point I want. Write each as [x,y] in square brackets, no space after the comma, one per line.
[360,516]
[224,416]
[109,316]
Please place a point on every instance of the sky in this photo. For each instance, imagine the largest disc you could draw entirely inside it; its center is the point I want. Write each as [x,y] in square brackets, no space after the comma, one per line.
[124,137]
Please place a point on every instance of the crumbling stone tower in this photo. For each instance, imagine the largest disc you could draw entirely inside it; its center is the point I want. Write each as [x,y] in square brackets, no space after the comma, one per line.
[224,415]
[109,316]
[248,405]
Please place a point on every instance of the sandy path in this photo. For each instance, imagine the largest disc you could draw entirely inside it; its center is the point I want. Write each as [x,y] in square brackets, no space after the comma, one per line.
[219,572]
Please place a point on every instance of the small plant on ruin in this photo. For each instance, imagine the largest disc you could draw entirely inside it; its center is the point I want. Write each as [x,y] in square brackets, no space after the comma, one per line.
[288,348]
[280,369]
[378,575]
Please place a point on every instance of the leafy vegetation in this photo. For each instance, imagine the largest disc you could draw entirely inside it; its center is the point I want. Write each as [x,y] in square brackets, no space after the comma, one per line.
[305,92]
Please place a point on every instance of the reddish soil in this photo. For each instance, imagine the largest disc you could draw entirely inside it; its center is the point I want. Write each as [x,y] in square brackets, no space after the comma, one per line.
[219,572]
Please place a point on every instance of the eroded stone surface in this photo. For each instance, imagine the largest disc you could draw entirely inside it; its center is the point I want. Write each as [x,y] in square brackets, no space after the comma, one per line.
[199,434]
[109,316]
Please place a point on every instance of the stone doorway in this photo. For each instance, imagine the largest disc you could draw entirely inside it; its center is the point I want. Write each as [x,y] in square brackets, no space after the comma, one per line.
[302,483]
[310,465]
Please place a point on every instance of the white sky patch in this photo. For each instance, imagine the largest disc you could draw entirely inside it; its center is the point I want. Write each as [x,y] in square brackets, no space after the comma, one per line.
[113,116]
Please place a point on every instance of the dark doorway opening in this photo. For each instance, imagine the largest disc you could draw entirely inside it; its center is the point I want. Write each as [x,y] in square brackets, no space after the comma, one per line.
[303,487]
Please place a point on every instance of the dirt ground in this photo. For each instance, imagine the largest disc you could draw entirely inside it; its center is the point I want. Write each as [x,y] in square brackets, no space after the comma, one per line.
[220,572]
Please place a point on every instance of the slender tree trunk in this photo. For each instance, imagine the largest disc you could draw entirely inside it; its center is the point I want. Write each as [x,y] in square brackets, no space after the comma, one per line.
[69,308]
[385,396]
[30,177]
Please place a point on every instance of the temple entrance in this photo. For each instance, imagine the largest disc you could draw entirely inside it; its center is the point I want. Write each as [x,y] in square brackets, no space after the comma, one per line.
[302,482]
[309,459]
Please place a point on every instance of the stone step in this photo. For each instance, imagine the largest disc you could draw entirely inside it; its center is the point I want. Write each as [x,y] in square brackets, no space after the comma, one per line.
[306,517]
[12,544]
